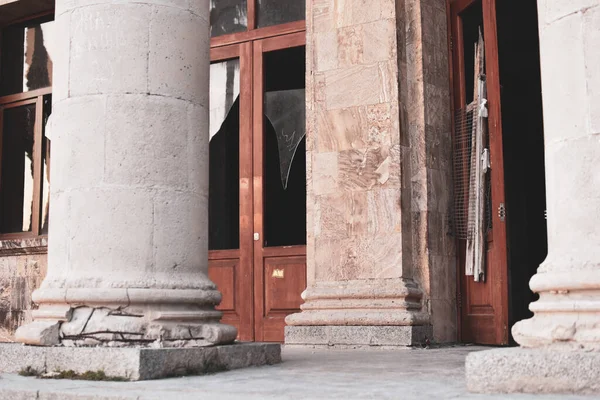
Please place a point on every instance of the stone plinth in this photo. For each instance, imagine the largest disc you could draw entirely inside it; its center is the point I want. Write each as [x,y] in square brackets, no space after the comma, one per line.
[357,336]
[138,363]
[533,371]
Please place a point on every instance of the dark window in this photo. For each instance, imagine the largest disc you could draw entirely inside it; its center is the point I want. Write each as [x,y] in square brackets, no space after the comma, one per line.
[275,12]
[285,152]
[25,105]
[228,16]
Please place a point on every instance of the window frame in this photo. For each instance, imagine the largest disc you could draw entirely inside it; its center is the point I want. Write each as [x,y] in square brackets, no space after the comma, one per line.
[253,33]
[21,99]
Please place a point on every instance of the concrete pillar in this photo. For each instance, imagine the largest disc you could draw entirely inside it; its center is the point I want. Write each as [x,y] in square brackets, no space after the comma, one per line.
[129,179]
[367,181]
[561,343]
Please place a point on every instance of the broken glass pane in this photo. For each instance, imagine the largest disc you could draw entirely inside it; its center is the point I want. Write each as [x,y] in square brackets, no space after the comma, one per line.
[285,110]
[274,12]
[27,61]
[223,203]
[224,90]
[16,196]
[228,16]
[285,148]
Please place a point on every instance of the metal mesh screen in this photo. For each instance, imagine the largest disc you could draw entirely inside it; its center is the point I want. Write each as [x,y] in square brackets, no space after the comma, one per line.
[464,175]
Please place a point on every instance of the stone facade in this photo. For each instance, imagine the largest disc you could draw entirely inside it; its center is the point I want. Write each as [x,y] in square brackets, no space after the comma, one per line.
[23,265]
[378,121]
[127,265]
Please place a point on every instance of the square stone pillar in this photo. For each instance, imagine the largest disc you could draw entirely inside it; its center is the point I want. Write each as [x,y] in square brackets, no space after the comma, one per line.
[369,207]
[561,344]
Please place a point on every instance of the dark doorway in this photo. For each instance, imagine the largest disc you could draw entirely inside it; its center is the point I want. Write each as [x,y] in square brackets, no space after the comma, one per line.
[523,139]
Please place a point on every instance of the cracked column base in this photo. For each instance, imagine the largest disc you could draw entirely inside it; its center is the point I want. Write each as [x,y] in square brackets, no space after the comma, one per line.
[147,318]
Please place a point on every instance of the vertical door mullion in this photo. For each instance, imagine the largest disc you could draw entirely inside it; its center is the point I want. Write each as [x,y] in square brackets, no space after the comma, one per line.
[258,186]
[37,165]
[252,14]
[245,288]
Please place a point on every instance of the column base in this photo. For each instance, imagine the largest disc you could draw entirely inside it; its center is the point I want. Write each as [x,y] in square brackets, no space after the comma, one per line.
[357,336]
[137,363]
[545,370]
[126,318]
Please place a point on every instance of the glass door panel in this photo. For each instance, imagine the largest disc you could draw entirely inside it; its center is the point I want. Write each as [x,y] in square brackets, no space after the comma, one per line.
[224,134]
[285,148]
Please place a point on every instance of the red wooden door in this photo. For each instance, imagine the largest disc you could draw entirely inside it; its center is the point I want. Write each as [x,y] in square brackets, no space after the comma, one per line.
[483,305]
[257,195]
[279,183]
[230,264]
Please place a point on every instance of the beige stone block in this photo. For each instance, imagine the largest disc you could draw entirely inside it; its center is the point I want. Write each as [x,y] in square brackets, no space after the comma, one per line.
[323,15]
[60,58]
[101,254]
[361,257]
[365,169]
[325,173]
[155,149]
[350,46]
[197,149]
[78,125]
[354,12]
[379,41]
[380,125]
[180,237]
[341,129]
[562,55]
[358,85]
[384,211]
[109,49]
[176,63]
[591,33]
[326,51]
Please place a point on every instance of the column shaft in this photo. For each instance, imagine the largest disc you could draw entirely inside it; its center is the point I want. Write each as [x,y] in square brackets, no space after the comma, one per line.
[129,184]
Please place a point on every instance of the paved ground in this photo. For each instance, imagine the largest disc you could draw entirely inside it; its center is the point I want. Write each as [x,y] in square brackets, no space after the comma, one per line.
[304,374]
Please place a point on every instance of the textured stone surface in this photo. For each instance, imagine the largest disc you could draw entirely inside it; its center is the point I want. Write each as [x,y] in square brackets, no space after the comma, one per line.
[567,314]
[20,275]
[533,371]
[311,374]
[138,363]
[377,198]
[359,336]
[130,251]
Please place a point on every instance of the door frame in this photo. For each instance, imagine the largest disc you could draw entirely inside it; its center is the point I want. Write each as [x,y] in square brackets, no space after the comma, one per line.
[496,283]
[249,313]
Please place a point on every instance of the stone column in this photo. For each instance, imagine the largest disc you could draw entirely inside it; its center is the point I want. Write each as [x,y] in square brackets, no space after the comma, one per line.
[129,179]
[561,343]
[365,122]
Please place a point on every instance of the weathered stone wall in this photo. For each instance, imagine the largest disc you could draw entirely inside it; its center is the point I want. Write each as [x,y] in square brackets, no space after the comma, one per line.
[426,134]
[379,171]
[22,269]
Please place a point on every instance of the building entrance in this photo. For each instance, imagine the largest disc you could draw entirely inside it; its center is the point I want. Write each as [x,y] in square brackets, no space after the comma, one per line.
[257,194]
[498,163]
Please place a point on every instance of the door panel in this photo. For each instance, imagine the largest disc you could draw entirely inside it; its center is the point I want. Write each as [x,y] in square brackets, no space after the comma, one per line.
[279,183]
[230,195]
[483,305]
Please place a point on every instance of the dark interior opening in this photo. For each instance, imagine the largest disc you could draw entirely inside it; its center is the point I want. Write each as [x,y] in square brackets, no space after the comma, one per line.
[285,148]
[523,144]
